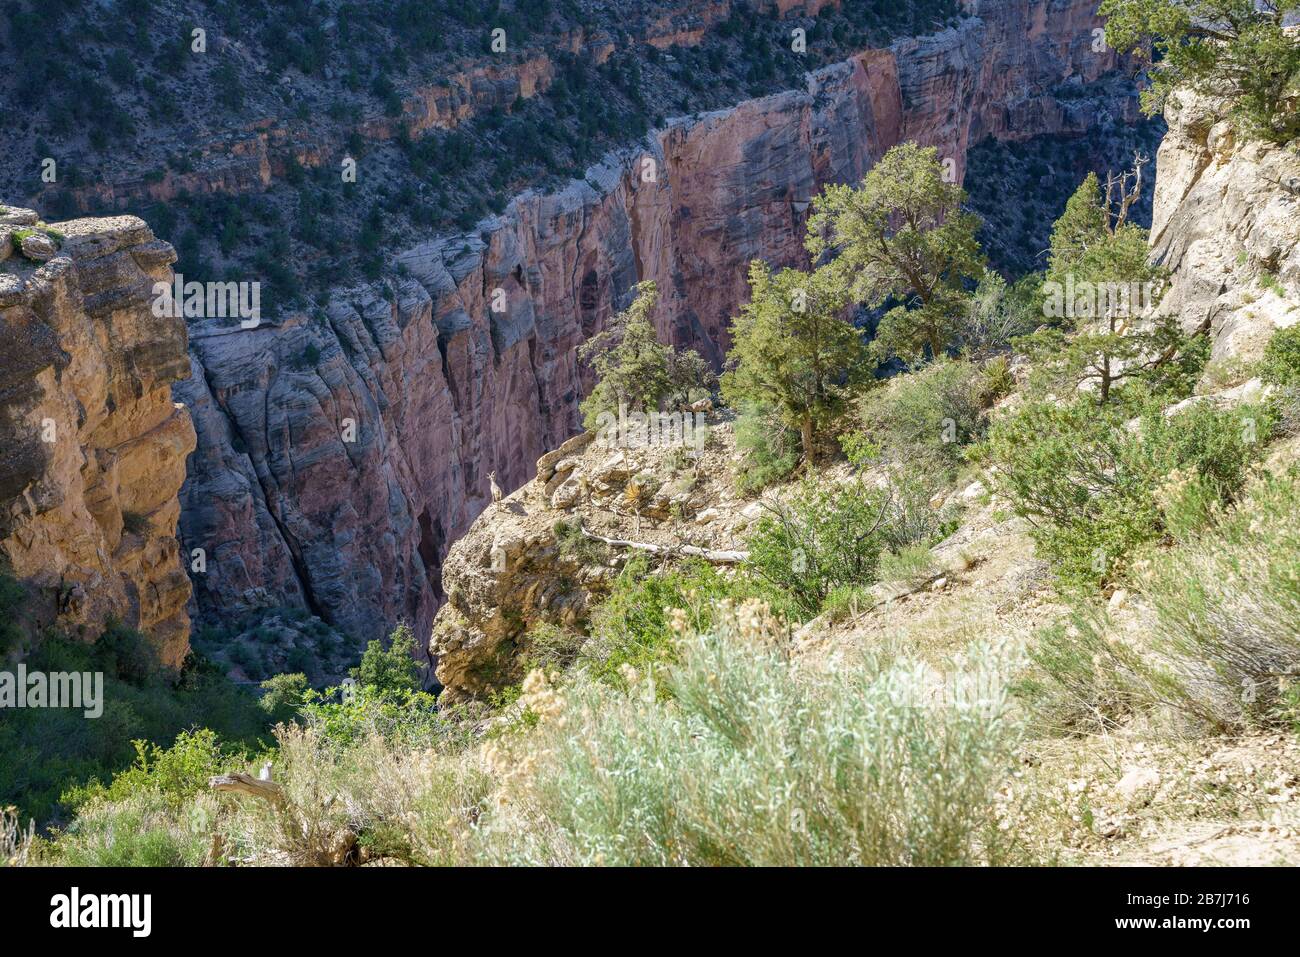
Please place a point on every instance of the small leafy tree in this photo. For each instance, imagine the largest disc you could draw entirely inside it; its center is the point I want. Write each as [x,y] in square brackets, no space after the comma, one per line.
[393,668]
[903,236]
[689,374]
[793,352]
[1238,49]
[634,370]
[1099,284]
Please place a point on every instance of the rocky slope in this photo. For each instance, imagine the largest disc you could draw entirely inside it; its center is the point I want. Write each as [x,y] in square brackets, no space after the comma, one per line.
[440,389]
[92,446]
[541,556]
[1227,224]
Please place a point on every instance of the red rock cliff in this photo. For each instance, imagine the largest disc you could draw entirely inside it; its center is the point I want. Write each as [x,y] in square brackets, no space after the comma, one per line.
[338,459]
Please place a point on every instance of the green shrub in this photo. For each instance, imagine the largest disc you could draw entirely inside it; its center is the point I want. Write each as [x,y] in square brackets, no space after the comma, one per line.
[392,669]
[633,369]
[577,547]
[759,763]
[550,647]
[998,313]
[829,536]
[283,696]
[1227,611]
[52,751]
[343,717]
[1096,490]
[847,601]
[1281,363]
[174,773]
[141,831]
[1084,677]
[927,417]
[1222,650]
[911,564]
[771,451]
[633,626]
[823,537]
[1225,373]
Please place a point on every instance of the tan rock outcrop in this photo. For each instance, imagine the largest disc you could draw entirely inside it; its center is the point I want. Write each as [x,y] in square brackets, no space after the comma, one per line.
[1226,222]
[541,556]
[92,447]
[469,365]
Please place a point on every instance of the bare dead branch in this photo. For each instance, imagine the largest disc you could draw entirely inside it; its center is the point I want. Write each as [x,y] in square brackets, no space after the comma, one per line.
[717,557]
[239,783]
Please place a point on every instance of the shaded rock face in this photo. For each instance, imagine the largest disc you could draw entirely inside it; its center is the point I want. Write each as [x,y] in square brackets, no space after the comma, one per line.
[92,446]
[468,364]
[1226,221]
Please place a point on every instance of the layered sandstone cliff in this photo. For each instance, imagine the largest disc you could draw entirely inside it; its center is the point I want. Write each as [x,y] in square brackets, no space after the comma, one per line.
[339,456]
[92,446]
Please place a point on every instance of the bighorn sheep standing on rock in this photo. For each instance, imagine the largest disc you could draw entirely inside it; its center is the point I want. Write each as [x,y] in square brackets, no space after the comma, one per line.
[496,489]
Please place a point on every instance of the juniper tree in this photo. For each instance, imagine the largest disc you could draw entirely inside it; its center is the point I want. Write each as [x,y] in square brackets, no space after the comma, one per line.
[1236,49]
[1100,289]
[634,370]
[793,350]
[902,236]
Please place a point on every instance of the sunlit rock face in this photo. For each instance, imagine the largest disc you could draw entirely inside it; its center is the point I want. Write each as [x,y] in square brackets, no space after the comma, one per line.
[1226,223]
[92,446]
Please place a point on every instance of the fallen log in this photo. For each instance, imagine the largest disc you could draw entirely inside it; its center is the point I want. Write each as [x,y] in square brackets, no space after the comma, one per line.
[239,783]
[716,556]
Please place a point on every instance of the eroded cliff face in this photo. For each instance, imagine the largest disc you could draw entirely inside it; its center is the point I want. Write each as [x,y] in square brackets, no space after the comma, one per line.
[1226,225]
[1226,222]
[339,456]
[92,446]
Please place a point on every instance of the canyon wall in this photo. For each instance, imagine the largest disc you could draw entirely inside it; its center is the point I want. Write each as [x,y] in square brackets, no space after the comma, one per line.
[339,455]
[92,446]
[1226,222]
[251,157]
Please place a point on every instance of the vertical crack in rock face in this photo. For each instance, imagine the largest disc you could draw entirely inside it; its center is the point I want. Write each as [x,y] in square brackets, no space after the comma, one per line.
[340,456]
[92,446]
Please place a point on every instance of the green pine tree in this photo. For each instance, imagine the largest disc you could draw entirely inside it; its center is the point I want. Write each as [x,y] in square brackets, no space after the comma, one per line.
[794,352]
[903,236]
